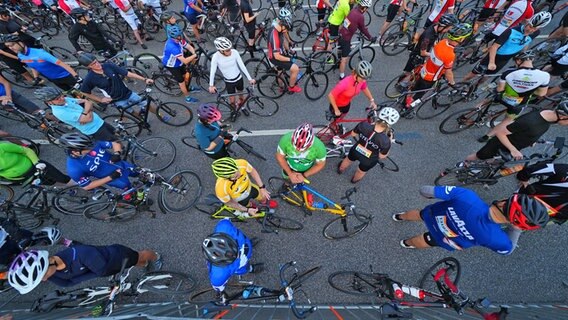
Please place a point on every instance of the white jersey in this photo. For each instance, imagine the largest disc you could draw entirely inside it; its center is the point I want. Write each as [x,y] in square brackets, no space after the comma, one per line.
[517,12]
[230,66]
[440,7]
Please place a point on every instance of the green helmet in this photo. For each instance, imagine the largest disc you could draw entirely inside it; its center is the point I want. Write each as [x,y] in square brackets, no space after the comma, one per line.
[224,167]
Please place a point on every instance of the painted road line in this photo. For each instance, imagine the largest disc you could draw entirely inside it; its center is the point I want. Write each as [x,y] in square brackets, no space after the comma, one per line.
[41,141]
[412,135]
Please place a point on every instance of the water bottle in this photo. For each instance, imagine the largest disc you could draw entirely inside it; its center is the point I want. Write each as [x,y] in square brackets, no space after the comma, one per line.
[310,198]
[318,205]
[253,291]
[139,194]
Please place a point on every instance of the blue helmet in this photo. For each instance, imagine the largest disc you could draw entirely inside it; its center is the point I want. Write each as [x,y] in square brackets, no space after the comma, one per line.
[174,31]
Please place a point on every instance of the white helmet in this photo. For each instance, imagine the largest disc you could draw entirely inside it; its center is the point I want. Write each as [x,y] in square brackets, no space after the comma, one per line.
[3,236]
[284,13]
[541,19]
[52,233]
[365,3]
[28,269]
[222,44]
[389,115]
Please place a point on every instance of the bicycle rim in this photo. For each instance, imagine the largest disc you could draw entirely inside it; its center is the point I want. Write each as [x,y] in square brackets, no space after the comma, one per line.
[459,121]
[14,78]
[63,55]
[300,31]
[393,88]
[366,53]
[167,85]
[389,164]
[167,282]
[395,43]
[131,124]
[174,114]
[271,86]
[324,61]
[189,190]
[26,218]
[148,62]
[278,222]
[380,8]
[155,154]
[325,133]
[262,106]
[316,85]
[257,68]
[357,283]
[118,211]
[427,283]
[73,200]
[347,226]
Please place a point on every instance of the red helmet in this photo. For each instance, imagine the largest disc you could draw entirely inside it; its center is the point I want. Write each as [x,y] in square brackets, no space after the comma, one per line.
[525,212]
[208,113]
[303,136]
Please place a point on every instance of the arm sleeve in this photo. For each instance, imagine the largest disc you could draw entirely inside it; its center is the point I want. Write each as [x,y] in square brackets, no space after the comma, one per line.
[213,69]
[363,27]
[120,70]
[427,191]
[74,37]
[241,65]
[503,37]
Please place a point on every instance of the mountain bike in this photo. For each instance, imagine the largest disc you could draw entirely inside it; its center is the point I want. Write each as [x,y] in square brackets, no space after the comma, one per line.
[340,148]
[399,34]
[488,172]
[266,215]
[291,282]
[438,288]
[351,221]
[232,138]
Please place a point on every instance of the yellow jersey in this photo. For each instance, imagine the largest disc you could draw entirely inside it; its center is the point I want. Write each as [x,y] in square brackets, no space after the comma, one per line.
[238,190]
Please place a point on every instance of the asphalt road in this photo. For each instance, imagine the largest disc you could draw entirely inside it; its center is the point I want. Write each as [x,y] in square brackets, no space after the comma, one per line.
[533,273]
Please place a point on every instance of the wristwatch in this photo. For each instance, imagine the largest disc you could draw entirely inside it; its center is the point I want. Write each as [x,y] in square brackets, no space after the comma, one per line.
[262,186]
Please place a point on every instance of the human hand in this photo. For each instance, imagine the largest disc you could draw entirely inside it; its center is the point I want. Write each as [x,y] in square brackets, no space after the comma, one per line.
[517,155]
[212,89]
[491,66]
[252,82]
[264,193]
[296,178]
[149,81]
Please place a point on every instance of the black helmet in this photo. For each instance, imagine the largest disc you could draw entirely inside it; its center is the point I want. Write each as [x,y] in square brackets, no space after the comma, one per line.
[75,141]
[448,19]
[9,38]
[47,93]
[220,249]
[526,212]
[85,58]
[526,55]
[4,11]
[286,22]
[78,13]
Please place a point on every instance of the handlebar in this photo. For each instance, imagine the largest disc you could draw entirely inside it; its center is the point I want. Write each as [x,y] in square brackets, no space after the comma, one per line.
[290,293]
[348,194]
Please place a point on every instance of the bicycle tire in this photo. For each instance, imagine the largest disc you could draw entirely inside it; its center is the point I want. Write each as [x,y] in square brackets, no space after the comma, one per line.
[357,283]
[44,25]
[63,54]
[426,281]
[76,298]
[190,185]
[389,164]
[265,14]
[279,188]
[393,89]
[325,133]
[26,218]
[316,85]
[395,43]
[324,61]
[132,125]
[359,220]
[279,222]
[380,8]
[256,67]
[161,282]
[151,154]
[366,53]
[14,116]
[166,84]
[136,85]
[262,106]
[228,113]
[148,62]
[24,142]
[15,78]
[6,193]
[272,86]
[300,31]
[202,80]
[453,177]
[459,121]
[446,97]
[115,211]
[73,200]
[152,26]
[174,114]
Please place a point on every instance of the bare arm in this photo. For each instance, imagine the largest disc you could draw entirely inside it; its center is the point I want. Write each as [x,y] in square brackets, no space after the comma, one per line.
[317,167]
[66,67]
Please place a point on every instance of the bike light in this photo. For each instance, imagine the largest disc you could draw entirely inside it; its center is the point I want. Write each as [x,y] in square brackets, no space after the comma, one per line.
[421,295]
[398,293]
[272,204]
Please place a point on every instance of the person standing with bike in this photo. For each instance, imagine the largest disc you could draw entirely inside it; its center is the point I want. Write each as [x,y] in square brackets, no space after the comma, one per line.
[127,13]
[193,8]
[228,251]
[393,10]
[229,61]
[373,143]
[440,8]
[208,132]
[300,154]
[85,26]
[249,22]
[176,62]
[345,90]
[279,50]
[463,220]
[340,10]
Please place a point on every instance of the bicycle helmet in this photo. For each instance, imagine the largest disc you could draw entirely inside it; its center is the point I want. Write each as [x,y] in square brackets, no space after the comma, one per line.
[389,115]
[286,22]
[460,31]
[284,13]
[540,20]
[28,269]
[51,233]
[208,113]
[224,167]
[525,212]
[303,136]
[364,69]
[75,141]
[220,249]
[222,44]
[3,236]
[85,58]
[174,31]
[526,55]
[447,20]
[9,38]
[166,15]
[78,13]
[365,3]
[47,93]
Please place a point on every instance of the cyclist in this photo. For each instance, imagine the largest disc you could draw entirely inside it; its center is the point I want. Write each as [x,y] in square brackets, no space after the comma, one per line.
[41,62]
[9,96]
[354,22]
[516,87]
[373,143]
[322,7]
[228,251]
[229,61]
[231,7]
[18,163]
[85,26]
[77,264]
[558,65]
[249,22]
[516,13]
[127,13]
[9,26]
[463,220]
[340,10]
[70,111]
[393,10]
[278,49]
[345,90]
[300,154]
[193,8]
[489,9]
[176,62]
[208,132]
[511,42]
[522,133]
[440,8]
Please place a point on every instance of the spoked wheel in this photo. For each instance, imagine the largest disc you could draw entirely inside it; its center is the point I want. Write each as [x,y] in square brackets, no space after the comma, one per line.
[26,218]
[256,67]
[148,62]
[300,31]
[396,42]
[174,114]
[280,188]
[316,85]
[396,86]
[272,86]
[262,106]
[167,282]
[459,121]
[73,200]
[357,283]
[348,226]
[366,53]
[446,97]
[131,124]
[380,8]
[325,133]
[184,192]
[324,61]
[154,153]
[277,222]
[63,54]
[389,164]
[166,84]
[452,270]
[115,211]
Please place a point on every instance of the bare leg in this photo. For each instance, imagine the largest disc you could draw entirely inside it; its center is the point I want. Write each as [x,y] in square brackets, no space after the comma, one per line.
[417,242]
[359,174]
[342,65]
[411,215]
[294,75]
[343,165]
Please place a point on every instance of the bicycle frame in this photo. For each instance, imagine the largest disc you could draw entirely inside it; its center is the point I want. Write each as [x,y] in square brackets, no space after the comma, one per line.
[329,206]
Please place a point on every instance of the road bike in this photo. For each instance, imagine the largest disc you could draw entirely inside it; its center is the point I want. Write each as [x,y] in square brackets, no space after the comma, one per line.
[291,283]
[437,288]
[488,172]
[230,139]
[335,127]
[398,36]
[327,60]
[340,148]
[260,106]
[351,220]
[545,49]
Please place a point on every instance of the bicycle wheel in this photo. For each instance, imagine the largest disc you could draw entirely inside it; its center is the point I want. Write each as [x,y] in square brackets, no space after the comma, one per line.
[272,86]
[262,106]
[366,53]
[174,114]
[63,55]
[454,177]
[325,133]
[155,153]
[185,193]
[115,211]
[73,200]
[389,164]
[13,115]
[394,43]
[394,88]
[136,85]
[15,78]
[324,61]
[24,142]
[347,226]
[446,97]
[25,218]
[131,124]
[380,8]
[265,14]
[278,222]
[459,121]
[148,62]
[453,270]
[256,67]
[358,283]
[300,31]
[316,85]
[166,84]
[6,193]
[228,113]
[167,282]
[152,26]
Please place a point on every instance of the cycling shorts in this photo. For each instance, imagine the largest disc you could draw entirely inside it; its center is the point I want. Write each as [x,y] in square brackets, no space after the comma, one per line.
[115,264]
[491,149]
[342,109]
[177,73]
[513,111]
[365,164]
[65,83]
[333,30]
[345,47]
[485,14]
[321,13]
[251,30]
[191,17]
[427,235]
[500,61]
[285,65]
[428,23]
[130,18]
[558,69]
[254,194]
[14,64]
[134,100]
[392,12]
[233,87]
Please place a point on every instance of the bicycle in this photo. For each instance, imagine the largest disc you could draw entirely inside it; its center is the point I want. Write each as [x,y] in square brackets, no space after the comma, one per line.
[290,286]
[260,106]
[240,41]
[399,34]
[545,49]
[340,148]
[488,172]
[233,138]
[166,283]
[326,133]
[350,221]
[437,288]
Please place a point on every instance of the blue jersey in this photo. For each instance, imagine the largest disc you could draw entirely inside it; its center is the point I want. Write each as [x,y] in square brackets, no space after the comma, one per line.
[206,134]
[2,90]
[188,9]
[514,40]
[172,50]
[220,275]
[462,221]
[44,63]
[97,164]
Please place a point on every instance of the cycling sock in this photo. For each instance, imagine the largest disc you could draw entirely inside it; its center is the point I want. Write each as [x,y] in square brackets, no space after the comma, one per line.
[342,75]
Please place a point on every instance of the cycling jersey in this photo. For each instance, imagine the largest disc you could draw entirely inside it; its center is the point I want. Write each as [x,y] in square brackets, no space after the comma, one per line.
[494,4]
[231,67]
[188,9]
[206,134]
[518,11]
[96,163]
[15,160]
[396,2]
[440,8]
[346,89]
[355,21]
[70,113]
[123,5]
[339,12]
[275,43]
[110,82]
[441,57]
[68,5]
[462,221]
[172,51]
[513,41]
[427,40]
[239,189]
[220,275]
[301,161]
[43,62]
[370,142]
[521,83]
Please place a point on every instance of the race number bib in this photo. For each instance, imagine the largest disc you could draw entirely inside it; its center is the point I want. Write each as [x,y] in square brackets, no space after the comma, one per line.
[512,101]
[346,23]
[364,151]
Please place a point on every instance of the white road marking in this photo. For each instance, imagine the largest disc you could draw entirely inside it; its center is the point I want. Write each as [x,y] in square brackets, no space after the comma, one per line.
[260,133]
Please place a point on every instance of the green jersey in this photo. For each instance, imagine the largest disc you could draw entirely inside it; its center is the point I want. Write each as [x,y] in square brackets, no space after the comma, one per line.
[301,161]
[15,160]
[340,11]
